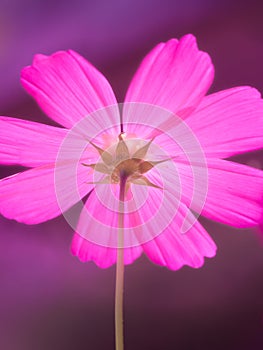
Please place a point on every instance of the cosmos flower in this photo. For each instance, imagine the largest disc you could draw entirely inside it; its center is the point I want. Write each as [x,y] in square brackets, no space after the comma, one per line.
[169,140]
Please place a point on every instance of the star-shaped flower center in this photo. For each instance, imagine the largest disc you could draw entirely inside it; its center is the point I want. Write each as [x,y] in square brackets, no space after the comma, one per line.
[123,164]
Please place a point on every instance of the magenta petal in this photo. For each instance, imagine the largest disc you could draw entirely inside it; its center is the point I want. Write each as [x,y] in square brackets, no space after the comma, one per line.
[96,234]
[28,143]
[67,87]
[234,191]
[171,248]
[98,222]
[175,75]
[30,196]
[102,256]
[235,194]
[174,249]
[229,122]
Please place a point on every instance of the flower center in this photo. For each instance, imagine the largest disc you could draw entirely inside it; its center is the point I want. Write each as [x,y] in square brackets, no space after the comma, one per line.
[132,169]
[121,163]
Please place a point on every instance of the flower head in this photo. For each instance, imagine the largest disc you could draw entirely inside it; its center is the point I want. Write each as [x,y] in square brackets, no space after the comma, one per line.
[168,140]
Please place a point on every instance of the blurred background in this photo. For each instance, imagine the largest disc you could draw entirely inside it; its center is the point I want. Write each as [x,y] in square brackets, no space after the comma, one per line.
[48,299]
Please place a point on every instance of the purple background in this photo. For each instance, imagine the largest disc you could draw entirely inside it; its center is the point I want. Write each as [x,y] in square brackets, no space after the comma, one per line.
[48,299]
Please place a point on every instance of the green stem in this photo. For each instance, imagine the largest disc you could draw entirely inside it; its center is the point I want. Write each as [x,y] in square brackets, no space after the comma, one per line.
[120,270]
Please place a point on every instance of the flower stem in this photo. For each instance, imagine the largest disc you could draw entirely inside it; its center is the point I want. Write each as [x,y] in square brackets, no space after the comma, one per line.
[120,270]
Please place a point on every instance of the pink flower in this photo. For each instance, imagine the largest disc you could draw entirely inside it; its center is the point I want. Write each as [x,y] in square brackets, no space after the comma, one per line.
[172,146]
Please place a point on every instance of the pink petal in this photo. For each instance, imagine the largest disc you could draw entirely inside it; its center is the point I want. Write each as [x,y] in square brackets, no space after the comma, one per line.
[67,87]
[174,249]
[229,122]
[97,231]
[102,256]
[28,143]
[235,194]
[175,75]
[171,248]
[99,219]
[32,196]
[153,218]
[98,222]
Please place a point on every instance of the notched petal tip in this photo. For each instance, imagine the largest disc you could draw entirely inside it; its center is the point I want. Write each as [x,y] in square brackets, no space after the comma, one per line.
[25,73]
[189,37]
[38,58]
